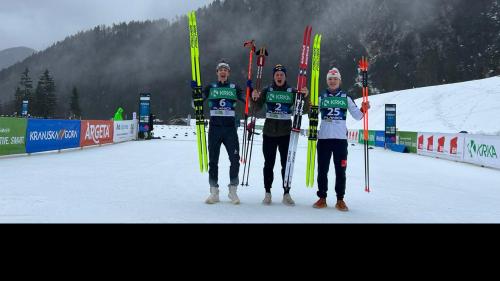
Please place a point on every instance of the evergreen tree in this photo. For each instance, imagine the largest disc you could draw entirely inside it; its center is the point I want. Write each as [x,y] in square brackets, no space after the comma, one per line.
[39,102]
[46,100]
[75,110]
[24,91]
[51,101]
[18,100]
[27,85]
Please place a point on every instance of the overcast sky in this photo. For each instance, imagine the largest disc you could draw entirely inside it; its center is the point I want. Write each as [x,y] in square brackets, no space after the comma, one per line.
[37,24]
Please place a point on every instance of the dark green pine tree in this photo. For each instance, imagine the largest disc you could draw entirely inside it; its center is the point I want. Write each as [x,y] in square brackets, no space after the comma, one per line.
[24,91]
[27,85]
[75,110]
[18,100]
[51,102]
[46,100]
[40,99]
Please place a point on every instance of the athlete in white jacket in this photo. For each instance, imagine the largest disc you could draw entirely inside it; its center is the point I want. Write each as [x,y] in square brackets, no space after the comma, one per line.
[332,138]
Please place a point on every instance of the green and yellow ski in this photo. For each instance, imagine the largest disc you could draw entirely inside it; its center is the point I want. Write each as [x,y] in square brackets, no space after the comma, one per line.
[197,94]
[314,112]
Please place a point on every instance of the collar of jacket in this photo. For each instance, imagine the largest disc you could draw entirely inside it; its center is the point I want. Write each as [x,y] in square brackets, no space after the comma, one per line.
[282,88]
[334,93]
[223,84]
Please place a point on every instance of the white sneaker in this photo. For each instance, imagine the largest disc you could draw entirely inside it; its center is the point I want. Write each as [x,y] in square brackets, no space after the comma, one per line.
[214,196]
[268,200]
[287,200]
[233,189]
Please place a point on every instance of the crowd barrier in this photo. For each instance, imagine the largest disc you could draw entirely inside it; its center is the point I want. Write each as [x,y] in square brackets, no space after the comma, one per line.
[20,136]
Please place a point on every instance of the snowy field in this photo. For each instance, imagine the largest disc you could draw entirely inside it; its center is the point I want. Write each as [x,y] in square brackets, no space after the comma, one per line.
[470,106]
[159,182]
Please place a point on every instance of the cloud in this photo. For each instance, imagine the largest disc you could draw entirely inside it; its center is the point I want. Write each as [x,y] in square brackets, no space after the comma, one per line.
[38,24]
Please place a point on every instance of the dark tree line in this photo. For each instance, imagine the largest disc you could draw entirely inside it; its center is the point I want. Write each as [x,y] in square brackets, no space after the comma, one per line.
[42,100]
[410,44]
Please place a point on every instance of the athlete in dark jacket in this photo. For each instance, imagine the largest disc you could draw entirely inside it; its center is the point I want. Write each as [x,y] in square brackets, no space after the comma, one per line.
[222,99]
[279,99]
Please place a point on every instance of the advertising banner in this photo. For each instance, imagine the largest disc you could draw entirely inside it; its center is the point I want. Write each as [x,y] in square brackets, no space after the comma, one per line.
[12,136]
[24,111]
[371,137]
[125,131]
[380,139]
[353,136]
[144,111]
[409,139]
[390,123]
[48,135]
[482,150]
[445,146]
[96,132]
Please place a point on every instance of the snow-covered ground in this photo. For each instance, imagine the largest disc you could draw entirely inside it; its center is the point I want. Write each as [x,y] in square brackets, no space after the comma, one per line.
[159,182]
[472,106]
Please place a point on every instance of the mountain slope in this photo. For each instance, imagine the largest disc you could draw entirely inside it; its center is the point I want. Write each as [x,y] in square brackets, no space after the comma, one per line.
[410,44]
[11,56]
[470,106]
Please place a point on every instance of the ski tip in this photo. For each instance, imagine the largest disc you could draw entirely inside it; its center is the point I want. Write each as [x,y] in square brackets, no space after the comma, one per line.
[317,38]
[192,15]
[367,189]
[309,34]
[262,52]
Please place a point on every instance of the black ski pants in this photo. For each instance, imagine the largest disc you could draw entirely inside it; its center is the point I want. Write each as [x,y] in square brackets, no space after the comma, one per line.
[229,137]
[327,148]
[270,147]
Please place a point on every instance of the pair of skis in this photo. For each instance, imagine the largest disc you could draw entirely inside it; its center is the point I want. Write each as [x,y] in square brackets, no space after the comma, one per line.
[314,113]
[249,133]
[299,109]
[197,94]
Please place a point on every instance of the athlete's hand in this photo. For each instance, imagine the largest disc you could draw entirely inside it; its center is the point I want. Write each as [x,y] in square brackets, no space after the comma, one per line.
[305,91]
[255,95]
[365,106]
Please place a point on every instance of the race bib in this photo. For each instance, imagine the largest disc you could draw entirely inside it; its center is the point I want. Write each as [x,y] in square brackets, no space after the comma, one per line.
[279,105]
[334,108]
[222,102]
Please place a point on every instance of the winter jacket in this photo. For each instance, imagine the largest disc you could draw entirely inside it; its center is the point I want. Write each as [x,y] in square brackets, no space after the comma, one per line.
[279,102]
[333,108]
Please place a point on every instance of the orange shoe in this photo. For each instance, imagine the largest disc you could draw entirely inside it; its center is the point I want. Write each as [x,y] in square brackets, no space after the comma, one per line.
[341,206]
[321,204]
